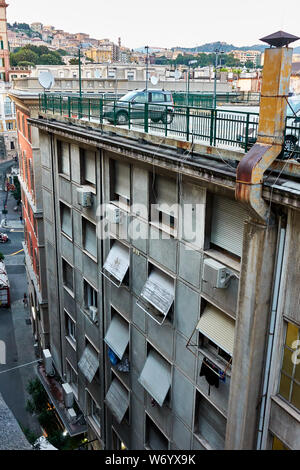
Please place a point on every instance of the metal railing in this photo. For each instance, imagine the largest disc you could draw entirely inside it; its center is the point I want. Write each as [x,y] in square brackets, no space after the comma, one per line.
[214,127]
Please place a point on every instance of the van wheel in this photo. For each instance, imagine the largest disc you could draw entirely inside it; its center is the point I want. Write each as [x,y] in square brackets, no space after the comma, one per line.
[290,145]
[122,118]
[167,119]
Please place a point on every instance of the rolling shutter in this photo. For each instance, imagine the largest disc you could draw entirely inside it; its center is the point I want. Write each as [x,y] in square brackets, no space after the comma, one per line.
[117,336]
[156,377]
[117,400]
[158,291]
[122,179]
[117,263]
[89,363]
[227,225]
[218,327]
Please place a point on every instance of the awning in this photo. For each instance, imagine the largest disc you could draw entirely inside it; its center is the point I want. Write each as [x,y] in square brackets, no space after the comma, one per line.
[156,377]
[117,400]
[117,336]
[89,363]
[218,327]
[116,264]
[158,292]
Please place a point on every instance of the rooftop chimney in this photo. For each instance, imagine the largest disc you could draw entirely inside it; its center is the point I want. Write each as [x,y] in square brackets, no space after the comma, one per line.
[272,119]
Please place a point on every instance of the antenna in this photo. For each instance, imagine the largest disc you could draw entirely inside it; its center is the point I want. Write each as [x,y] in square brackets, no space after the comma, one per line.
[154,80]
[46,80]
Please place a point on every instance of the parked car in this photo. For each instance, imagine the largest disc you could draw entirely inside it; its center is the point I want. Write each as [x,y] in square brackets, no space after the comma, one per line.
[160,107]
[3,238]
[292,136]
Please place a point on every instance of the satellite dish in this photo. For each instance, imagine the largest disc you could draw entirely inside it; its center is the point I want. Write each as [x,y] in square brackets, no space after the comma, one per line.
[98,74]
[177,74]
[154,80]
[46,80]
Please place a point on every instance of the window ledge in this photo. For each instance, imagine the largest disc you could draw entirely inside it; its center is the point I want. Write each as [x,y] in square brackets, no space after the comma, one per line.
[71,342]
[70,292]
[89,187]
[165,228]
[123,207]
[68,237]
[286,407]
[66,177]
[203,442]
[224,259]
[94,425]
[93,258]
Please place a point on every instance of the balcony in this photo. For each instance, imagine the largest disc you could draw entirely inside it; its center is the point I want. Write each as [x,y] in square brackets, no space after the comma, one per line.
[55,393]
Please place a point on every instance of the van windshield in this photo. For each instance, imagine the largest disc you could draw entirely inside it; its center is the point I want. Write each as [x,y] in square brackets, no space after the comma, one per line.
[129,96]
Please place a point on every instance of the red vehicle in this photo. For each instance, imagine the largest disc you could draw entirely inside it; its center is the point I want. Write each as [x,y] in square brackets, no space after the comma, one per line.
[3,238]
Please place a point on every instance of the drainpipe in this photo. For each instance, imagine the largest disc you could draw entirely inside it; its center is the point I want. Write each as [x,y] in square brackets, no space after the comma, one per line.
[272,118]
[270,346]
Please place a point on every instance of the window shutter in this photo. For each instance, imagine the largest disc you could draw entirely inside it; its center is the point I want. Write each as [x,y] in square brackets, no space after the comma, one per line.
[227,226]
[90,166]
[122,179]
[165,189]
[90,239]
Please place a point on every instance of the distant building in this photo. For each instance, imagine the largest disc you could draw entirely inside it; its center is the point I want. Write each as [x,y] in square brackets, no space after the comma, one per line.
[247,56]
[36,27]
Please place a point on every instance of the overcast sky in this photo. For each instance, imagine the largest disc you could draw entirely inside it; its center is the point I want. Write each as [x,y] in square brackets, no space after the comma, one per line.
[164,23]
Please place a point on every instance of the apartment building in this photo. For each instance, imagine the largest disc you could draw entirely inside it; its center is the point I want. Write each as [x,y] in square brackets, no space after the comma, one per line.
[248,56]
[26,105]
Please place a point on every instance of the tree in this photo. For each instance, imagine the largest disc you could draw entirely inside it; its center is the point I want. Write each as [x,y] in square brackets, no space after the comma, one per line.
[50,59]
[17,191]
[25,55]
[74,61]
[249,64]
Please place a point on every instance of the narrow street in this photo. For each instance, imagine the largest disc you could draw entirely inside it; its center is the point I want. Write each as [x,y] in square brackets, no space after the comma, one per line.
[15,329]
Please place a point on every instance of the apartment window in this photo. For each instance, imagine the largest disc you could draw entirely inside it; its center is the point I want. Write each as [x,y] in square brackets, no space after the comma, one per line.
[118,444]
[88,167]
[121,183]
[155,439]
[66,220]
[277,444]
[210,424]
[12,145]
[63,155]
[72,378]
[164,212]
[70,327]
[67,275]
[89,362]
[227,225]
[89,237]
[216,333]
[117,336]
[117,400]
[10,126]
[94,412]
[90,295]
[156,377]
[157,296]
[116,265]
[290,371]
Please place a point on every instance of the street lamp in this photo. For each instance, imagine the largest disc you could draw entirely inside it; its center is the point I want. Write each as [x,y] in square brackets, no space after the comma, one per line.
[217,52]
[190,62]
[147,66]
[79,66]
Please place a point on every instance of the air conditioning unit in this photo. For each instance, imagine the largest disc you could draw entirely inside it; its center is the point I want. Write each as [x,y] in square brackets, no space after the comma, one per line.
[68,395]
[48,363]
[84,197]
[72,416]
[113,214]
[216,274]
[93,312]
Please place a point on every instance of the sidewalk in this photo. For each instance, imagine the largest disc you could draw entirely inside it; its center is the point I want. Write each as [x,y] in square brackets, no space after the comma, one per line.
[12,224]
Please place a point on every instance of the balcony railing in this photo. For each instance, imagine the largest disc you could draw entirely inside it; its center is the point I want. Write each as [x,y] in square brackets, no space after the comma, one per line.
[230,129]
